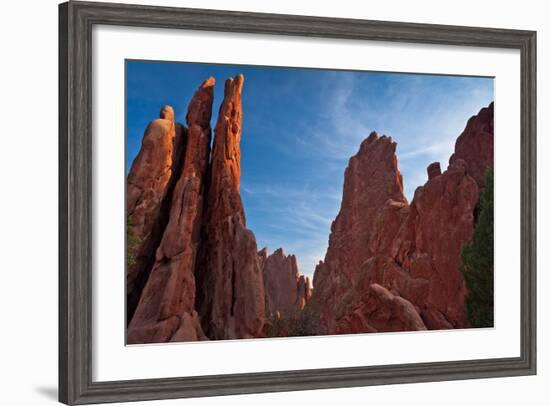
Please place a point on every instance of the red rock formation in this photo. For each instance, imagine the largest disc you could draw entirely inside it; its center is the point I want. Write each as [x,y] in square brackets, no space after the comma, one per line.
[286,291]
[304,291]
[475,144]
[231,291]
[370,180]
[422,262]
[410,251]
[149,185]
[434,169]
[166,309]
[262,256]
[381,311]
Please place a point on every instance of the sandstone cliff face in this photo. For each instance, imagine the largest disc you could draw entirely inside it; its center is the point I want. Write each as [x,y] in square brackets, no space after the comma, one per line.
[422,262]
[370,180]
[231,288]
[405,256]
[286,291]
[149,187]
[305,291]
[475,144]
[166,310]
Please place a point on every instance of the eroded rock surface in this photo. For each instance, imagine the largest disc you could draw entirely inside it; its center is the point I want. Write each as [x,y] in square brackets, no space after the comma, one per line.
[166,309]
[286,290]
[475,145]
[380,311]
[148,194]
[231,288]
[385,254]
[370,180]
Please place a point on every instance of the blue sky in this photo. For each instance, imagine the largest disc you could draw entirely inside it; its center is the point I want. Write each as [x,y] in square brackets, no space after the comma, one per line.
[300,127]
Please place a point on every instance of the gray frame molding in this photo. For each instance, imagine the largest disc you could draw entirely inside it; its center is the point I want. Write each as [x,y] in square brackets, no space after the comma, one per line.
[75,191]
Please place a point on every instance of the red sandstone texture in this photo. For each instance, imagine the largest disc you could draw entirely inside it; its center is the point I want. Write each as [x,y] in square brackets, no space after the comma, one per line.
[475,145]
[370,180]
[381,311]
[166,309]
[385,254]
[231,290]
[149,184]
[286,291]
[200,273]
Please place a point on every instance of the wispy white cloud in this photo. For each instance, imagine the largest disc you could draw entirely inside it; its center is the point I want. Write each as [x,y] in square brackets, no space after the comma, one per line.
[422,119]
[431,150]
[294,218]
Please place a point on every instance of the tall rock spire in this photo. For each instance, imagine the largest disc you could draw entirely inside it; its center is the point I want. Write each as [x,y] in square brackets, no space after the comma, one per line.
[370,180]
[231,291]
[166,310]
[149,187]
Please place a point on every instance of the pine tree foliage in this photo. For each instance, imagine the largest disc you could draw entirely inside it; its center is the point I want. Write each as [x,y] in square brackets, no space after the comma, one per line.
[478,262]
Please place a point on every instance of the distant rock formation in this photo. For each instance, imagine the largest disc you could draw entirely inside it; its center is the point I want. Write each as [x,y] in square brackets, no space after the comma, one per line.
[166,310]
[262,256]
[385,254]
[286,291]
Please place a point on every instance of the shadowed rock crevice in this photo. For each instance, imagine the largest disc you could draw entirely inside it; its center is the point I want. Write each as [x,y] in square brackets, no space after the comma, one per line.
[231,302]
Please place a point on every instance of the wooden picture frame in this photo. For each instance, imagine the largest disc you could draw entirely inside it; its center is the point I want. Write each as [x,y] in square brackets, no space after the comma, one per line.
[76,20]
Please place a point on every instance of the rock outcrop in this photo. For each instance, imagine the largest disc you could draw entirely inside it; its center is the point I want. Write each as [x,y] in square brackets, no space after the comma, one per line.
[381,311]
[475,145]
[262,256]
[385,254]
[422,262]
[370,180]
[166,309]
[304,291]
[148,194]
[286,291]
[231,288]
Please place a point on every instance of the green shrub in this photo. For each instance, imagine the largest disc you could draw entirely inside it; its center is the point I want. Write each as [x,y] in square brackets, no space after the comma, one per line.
[305,322]
[478,261]
[308,321]
[132,243]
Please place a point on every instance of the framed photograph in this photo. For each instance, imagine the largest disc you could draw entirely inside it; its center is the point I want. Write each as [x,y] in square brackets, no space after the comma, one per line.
[257,202]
